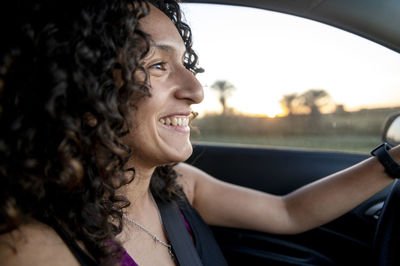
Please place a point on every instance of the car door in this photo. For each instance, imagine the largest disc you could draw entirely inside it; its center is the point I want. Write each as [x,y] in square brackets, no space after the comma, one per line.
[320,129]
[345,241]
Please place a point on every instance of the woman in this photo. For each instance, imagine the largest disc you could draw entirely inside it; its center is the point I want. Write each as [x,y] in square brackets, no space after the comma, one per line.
[95,109]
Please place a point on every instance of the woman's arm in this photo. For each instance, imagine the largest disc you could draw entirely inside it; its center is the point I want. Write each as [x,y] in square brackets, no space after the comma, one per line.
[229,205]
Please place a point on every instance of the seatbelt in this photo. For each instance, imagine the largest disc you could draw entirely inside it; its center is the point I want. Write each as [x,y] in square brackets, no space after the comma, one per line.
[178,234]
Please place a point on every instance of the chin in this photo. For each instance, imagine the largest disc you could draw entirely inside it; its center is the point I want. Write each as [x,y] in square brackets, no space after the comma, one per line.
[182,154]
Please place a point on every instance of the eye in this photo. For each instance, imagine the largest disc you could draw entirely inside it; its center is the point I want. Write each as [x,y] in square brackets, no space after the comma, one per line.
[159,66]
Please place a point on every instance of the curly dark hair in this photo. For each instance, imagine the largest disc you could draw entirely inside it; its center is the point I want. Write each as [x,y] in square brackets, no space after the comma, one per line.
[57,66]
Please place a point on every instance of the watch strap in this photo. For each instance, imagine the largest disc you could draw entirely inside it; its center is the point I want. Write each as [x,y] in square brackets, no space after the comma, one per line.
[392,168]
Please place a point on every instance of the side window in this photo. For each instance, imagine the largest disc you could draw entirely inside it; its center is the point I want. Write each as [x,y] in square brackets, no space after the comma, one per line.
[278,80]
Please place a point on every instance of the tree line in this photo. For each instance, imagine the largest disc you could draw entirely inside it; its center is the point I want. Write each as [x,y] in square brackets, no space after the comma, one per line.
[310,102]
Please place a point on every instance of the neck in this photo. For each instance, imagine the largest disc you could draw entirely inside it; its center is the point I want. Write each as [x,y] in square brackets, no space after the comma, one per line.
[137,192]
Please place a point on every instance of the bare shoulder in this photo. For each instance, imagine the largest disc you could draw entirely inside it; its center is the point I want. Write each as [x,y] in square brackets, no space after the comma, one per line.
[34,244]
[186,179]
[189,177]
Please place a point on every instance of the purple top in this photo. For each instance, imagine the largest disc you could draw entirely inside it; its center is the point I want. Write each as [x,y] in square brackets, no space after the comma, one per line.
[127,260]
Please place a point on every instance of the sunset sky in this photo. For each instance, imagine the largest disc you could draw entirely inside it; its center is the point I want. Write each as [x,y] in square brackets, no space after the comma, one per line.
[282,54]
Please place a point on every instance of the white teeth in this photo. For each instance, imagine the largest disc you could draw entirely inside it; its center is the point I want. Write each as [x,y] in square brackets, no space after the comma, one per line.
[175,121]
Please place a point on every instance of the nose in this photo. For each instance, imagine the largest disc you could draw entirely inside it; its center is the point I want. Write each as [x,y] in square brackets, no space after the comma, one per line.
[189,88]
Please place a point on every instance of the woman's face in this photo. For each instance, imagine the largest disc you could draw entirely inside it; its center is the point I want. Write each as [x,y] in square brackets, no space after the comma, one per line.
[161,131]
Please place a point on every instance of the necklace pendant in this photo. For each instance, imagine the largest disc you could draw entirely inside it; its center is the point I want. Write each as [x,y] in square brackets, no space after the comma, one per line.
[170,252]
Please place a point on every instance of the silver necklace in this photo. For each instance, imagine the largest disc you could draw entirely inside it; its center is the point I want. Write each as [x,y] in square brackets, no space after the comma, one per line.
[144,229]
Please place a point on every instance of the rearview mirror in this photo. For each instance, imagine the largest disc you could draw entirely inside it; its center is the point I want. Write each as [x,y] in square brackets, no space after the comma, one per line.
[391,133]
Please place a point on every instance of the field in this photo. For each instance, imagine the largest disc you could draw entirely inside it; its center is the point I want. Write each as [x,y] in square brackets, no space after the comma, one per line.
[346,131]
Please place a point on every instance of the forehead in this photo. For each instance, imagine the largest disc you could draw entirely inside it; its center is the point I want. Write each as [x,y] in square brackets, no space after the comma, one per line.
[162,30]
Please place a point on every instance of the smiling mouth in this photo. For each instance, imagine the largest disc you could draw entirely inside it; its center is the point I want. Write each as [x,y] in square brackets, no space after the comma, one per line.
[182,121]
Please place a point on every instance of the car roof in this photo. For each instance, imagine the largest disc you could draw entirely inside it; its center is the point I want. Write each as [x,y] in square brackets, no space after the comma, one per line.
[377,20]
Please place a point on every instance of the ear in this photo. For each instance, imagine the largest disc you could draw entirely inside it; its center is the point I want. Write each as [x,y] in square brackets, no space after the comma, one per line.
[90,119]
[117,74]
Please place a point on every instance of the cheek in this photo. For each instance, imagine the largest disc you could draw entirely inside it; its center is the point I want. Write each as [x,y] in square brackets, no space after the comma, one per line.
[146,109]
[132,125]
[144,123]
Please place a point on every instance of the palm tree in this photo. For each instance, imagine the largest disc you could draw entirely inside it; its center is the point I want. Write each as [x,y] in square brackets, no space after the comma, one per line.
[287,102]
[224,89]
[314,99]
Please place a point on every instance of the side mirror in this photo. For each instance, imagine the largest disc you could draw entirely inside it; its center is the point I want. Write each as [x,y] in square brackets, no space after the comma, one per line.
[391,133]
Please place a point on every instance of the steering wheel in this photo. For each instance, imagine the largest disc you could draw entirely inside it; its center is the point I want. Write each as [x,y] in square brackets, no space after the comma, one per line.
[387,236]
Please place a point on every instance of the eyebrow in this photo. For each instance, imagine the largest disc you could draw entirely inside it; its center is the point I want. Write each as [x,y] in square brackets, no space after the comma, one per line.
[163,47]
[166,48]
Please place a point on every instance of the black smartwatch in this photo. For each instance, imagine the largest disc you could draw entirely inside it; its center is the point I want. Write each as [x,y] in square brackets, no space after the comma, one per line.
[392,167]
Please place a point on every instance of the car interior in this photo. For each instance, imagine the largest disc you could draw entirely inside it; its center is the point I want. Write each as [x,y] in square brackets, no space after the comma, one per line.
[367,235]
